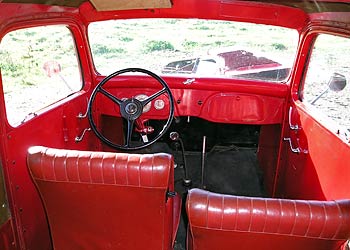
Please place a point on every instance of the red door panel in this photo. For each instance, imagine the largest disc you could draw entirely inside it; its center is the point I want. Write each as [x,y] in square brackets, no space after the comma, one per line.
[49,129]
[320,170]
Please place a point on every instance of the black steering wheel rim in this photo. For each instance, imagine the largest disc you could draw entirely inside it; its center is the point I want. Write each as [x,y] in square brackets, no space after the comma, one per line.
[99,89]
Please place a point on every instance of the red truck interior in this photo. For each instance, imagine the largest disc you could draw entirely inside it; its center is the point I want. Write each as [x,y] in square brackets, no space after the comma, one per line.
[38,220]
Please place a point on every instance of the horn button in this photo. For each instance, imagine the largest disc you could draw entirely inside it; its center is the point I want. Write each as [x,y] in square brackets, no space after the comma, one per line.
[131,109]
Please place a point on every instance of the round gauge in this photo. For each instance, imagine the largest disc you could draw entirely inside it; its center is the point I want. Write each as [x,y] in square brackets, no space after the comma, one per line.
[159,104]
[143,97]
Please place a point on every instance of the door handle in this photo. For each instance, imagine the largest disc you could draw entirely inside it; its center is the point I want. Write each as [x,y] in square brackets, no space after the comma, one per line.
[294,150]
[291,126]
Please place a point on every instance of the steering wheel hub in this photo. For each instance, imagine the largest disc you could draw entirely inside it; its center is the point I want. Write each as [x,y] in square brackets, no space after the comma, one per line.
[131,109]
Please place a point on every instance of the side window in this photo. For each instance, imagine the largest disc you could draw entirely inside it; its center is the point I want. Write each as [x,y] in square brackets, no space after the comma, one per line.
[39,66]
[326,80]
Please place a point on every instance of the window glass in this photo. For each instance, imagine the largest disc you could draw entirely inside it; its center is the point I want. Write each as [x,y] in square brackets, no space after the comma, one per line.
[325,83]
[193,47]
[39,66]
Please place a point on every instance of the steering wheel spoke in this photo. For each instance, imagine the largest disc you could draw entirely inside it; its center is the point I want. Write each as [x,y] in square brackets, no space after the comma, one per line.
[110,96]
[131,109]
[130,128]
[154,96]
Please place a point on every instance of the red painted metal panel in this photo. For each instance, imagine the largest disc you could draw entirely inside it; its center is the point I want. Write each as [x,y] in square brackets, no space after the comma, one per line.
[211,84]
[211,105]
[241,108]
[230,101]
[320,171]
[7,241]
[270,136]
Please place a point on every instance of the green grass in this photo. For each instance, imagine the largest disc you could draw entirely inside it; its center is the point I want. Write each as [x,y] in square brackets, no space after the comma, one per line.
[156,45]
[153,43]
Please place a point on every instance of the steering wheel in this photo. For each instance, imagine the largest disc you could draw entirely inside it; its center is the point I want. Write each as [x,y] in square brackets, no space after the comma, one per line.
[131,109]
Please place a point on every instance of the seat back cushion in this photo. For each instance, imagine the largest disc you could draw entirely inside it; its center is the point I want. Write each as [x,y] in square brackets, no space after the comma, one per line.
[225,222]
[98,200]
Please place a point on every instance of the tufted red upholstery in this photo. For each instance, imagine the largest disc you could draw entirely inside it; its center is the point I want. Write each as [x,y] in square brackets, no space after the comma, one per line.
[98,200]
[230,222]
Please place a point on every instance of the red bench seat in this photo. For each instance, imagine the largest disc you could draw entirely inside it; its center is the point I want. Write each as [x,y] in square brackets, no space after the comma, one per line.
[226,222]
[99,200]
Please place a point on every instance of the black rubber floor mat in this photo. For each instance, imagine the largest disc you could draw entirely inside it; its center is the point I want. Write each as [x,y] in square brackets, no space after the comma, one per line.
[233,172]
[226,170]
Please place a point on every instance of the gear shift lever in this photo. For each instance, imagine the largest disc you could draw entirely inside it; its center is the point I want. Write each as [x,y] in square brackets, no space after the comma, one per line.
[174,136]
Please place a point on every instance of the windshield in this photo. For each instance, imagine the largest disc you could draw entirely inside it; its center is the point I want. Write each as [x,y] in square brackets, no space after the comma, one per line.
[201,48]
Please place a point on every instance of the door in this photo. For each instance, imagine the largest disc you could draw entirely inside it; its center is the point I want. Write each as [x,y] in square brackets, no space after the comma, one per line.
[317,135]
[41,96]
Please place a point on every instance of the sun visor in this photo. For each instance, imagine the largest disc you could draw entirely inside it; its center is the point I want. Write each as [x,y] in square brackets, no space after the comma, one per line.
[105,5]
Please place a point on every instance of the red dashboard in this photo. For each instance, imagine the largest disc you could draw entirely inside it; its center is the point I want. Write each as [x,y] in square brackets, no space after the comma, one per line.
[223,100]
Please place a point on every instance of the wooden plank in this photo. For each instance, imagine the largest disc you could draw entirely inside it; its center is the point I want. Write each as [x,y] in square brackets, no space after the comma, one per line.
[105,5]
